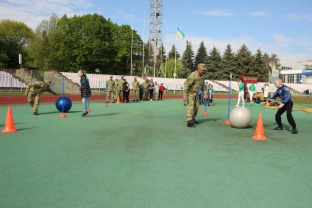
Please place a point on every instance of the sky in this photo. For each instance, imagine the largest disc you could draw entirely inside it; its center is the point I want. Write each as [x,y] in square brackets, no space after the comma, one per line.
[275,26]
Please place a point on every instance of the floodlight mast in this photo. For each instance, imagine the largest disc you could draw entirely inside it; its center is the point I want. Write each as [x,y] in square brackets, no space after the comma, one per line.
[155,32]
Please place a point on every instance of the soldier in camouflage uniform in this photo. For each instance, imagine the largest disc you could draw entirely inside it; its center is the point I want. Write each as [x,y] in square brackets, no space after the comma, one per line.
[116,90]
[110,89]
[135,85]
[145,86]
[121,81]
[34,90]
[192,85]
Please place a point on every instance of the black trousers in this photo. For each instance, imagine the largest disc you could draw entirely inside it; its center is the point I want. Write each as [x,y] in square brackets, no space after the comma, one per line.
[160,95]
[288,108]
[151,94]
[141,95]
[126,95]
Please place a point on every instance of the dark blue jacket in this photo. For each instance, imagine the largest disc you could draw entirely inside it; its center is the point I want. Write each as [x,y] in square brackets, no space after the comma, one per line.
[284,93]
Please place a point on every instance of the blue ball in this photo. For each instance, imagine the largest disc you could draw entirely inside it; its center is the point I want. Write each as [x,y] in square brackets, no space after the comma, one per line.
[63,101]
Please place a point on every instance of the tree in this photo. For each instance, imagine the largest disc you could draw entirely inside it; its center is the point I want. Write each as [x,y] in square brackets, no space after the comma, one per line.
[173,53]
[270,63]
[14,38]
[213,64]
[170,68]
[243,61]
[187,60]
[259,66]
[201,56]
[41,46]
[90,41]
[227,63]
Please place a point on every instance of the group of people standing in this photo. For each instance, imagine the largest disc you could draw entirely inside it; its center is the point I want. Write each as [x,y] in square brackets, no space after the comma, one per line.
[210,95]
[151,90]
[243,90]
[148,90]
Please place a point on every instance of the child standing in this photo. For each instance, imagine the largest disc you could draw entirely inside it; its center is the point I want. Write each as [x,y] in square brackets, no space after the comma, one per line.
[85,91]
[240,93]
[252,89]
[161,91]
[211,93]
[156,91]
[200,92]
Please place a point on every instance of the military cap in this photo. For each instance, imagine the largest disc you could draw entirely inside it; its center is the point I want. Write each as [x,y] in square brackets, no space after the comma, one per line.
[47,82]
[202,66]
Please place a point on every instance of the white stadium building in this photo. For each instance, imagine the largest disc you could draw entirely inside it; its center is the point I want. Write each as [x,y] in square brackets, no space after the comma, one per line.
[294,72]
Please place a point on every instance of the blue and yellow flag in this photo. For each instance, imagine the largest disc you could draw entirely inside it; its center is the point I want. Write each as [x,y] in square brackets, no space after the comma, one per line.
[180,33]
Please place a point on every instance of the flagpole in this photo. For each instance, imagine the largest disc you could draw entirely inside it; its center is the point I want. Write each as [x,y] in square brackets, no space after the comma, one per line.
[143,66]
[131,42]
[168,53]
[175,61]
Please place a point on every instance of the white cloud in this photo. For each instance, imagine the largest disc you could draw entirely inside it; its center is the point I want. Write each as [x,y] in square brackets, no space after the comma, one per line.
[307,17]
[281,47]
[282,40]
[258,13]
[122,15]
[217,13]
[32,12]
[305,42]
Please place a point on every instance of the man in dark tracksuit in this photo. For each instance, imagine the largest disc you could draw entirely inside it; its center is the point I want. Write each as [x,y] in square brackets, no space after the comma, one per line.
[287,105]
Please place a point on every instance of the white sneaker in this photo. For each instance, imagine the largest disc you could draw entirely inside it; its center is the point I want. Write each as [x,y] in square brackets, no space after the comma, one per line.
[243,105]
[236,105]
[151,99]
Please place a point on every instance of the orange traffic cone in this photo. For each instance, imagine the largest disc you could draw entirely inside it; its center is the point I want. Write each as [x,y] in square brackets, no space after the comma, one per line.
[259,133]
[9,122]
[227,122]
[89,110]
[201,108]
[63,115]
[118,100]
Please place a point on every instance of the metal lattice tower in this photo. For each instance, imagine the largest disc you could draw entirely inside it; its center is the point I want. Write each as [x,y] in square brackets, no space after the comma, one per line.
[155,31]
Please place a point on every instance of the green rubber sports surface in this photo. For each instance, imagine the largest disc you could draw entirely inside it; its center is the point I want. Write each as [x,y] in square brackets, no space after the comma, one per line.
[142,154]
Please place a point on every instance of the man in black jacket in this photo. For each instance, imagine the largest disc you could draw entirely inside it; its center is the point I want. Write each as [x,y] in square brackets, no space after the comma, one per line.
[126,90]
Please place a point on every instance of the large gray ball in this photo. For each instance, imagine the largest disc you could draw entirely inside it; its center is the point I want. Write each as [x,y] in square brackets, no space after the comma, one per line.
[240,117]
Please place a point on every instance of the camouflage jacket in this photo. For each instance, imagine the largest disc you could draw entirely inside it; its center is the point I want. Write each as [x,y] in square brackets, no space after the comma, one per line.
[145,85]
[117,86]
[193,84]
[135,85]
[110,85]
[38,88]
[121,81]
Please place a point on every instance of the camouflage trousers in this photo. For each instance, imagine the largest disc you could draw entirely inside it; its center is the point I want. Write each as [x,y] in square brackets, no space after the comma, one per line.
[34,104]
[135,94]
[145,94]
[117,94]
[110,95]
[192,106]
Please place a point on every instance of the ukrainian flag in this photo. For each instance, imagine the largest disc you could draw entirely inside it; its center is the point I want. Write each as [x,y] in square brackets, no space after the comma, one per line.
[180,33]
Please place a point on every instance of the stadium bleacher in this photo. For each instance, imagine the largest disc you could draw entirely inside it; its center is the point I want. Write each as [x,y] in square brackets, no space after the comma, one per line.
[99,81]
[7,81]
